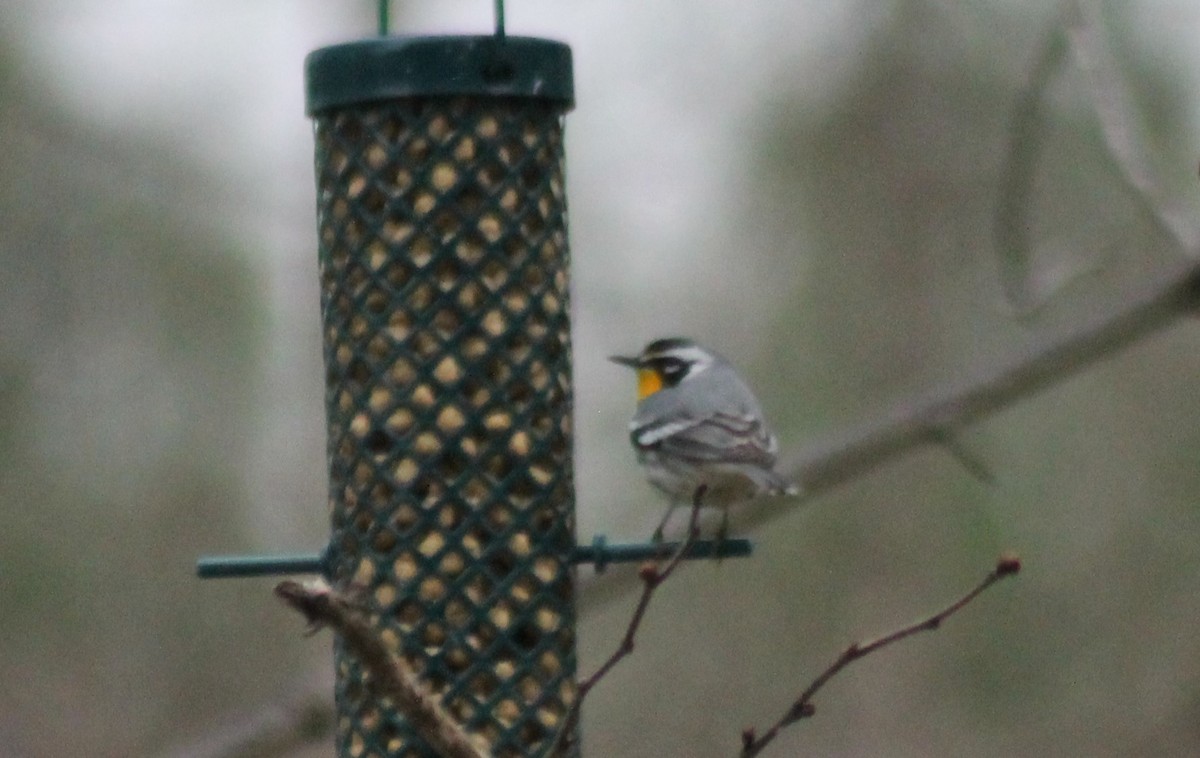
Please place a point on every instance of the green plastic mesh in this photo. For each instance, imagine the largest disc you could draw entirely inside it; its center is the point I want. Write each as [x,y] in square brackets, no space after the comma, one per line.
[443,258]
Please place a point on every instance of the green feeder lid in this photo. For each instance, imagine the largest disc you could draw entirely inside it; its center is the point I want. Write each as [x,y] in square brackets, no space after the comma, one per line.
[392,67]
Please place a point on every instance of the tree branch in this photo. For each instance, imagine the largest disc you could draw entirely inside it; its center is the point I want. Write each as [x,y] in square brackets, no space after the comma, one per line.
[390,675]
[1008,565]
[1156,304]
[652,575]
[1027,133]
[1113,102]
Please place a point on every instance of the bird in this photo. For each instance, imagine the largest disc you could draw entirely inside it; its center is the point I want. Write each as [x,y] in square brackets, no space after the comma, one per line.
[697,423]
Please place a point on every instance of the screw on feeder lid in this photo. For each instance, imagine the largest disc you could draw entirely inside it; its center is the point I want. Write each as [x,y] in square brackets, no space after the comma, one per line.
[392,67]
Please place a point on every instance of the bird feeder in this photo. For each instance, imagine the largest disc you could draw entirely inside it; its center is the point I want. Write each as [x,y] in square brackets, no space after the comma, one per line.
[441,216]
[443,258]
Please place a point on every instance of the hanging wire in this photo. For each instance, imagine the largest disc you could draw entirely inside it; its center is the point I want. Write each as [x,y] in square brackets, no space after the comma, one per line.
[384,22]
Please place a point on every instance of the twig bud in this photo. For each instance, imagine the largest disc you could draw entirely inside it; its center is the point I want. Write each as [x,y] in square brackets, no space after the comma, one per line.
[648,571]
[1008,564]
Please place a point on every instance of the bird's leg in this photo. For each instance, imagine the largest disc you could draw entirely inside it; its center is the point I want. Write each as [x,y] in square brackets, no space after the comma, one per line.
[658,533]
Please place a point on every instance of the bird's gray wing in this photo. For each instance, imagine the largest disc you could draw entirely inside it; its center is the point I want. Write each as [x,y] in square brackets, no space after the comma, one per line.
[727,437]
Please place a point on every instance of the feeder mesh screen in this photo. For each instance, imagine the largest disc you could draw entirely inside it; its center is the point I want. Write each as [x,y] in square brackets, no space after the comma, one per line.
[443,263]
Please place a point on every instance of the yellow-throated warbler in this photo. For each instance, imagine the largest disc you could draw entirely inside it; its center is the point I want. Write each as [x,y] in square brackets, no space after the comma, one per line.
[698,423]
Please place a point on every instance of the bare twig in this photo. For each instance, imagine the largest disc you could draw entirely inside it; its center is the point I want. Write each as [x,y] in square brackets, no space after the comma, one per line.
[652,575]
[390,675]
[971,463]
[1027,134]
[1113,102]
[802,708]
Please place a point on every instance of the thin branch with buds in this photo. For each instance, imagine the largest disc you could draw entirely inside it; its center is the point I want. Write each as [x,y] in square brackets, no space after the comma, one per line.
[652,575]
[802,708]
[390,675]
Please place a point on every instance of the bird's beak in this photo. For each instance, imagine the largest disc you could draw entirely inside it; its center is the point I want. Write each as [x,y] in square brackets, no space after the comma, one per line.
[624,361]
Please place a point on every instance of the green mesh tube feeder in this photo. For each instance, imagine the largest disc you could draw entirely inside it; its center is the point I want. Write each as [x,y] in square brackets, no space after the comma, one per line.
[441,215]
[443,266]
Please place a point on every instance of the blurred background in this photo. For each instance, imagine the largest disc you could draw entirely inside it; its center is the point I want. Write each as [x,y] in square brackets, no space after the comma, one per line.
[811,188]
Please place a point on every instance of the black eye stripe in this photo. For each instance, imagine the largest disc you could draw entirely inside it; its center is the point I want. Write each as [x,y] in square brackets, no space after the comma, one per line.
[671,369]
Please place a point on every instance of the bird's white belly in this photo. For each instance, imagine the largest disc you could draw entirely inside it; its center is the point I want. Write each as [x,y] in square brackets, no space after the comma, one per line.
[727,483]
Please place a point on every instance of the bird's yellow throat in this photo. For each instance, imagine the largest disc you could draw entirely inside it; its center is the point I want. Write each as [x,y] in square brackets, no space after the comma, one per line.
[649,382]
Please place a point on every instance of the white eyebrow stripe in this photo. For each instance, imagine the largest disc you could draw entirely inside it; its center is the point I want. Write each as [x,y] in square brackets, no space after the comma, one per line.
[690,355]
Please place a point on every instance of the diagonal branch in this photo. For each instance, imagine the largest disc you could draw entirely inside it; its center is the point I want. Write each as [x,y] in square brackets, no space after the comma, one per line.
[390,675]
[802,708]
[652,576]
[1158,303]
